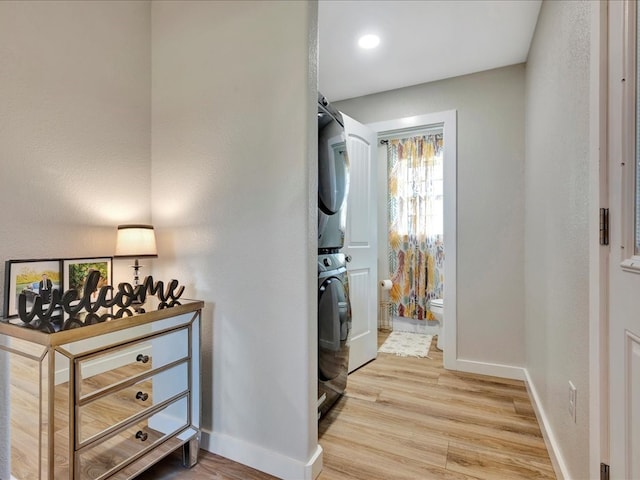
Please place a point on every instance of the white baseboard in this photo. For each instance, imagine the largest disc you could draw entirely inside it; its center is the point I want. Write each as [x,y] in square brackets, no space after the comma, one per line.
[519,373]
[559,466]
[262,459]
[493,369]
[314,465]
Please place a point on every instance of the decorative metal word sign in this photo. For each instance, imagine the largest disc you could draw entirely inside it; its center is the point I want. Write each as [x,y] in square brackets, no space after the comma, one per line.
[119,300]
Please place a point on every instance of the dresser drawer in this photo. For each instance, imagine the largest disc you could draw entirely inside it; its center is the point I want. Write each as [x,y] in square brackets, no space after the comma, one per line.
[108,411]
[100,460]
[102,370]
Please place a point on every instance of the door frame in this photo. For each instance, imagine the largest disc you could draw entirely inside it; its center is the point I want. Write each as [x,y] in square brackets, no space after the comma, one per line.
[448,120]
[598,255]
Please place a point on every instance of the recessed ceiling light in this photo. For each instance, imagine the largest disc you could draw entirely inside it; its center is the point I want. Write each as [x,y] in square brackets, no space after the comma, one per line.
[369,41]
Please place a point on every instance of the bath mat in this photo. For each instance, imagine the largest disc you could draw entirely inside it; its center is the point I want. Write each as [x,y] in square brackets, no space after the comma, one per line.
[407,344]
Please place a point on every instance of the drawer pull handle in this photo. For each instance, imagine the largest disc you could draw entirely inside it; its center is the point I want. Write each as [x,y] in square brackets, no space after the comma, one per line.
[142,358]
[142,396]
[141,435]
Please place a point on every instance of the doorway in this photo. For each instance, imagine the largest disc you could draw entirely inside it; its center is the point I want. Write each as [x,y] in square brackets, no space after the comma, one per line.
[448,122]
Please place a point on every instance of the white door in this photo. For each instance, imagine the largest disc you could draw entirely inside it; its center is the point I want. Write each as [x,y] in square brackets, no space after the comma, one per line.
[624,264]
[360,242]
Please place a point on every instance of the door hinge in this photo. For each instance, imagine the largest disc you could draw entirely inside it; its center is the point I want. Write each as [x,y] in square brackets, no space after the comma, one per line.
[604,226]
[604,471]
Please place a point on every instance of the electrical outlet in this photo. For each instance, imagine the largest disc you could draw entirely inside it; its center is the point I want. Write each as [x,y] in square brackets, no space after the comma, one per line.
[573,397]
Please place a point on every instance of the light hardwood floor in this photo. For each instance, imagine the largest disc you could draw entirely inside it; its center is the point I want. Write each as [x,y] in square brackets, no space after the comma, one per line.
[409,419]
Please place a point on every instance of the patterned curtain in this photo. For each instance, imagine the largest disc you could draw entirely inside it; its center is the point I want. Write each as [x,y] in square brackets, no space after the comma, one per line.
[416,254]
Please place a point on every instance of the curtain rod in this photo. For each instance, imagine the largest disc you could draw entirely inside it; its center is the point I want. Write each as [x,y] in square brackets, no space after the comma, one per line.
[384,137]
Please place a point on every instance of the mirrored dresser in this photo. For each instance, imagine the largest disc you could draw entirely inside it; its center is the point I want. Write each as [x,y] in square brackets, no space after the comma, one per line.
[106,400]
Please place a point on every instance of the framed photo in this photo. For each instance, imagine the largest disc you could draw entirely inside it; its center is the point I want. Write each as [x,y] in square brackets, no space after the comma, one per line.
[75,271]
[31,277]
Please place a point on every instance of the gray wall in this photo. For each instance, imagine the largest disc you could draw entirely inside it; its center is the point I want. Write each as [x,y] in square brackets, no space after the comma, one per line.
[5,415]
[74,131]
[556,245]
[490,290]
[234,192]
[75,157]
[75,127]
[228,158]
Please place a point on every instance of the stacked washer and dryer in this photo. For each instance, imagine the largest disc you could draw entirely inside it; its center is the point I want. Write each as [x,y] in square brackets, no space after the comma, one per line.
[334,309]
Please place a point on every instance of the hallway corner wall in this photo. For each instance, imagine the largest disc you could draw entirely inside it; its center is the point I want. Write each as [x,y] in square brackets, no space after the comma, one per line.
[234,142]
[556,224]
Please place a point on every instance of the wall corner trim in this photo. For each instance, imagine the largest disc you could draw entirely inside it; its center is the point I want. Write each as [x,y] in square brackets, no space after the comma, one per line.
[314,465]
[559,465]
[260,458]
[486,368]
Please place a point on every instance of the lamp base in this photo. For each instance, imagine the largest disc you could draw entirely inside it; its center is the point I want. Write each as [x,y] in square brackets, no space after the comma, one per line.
[136,303]
[136,272]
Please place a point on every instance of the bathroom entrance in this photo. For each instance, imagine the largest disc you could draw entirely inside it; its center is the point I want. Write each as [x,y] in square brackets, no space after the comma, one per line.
[420,274]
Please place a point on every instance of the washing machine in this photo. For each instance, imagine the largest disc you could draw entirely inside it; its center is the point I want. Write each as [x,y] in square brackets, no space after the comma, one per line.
[334,327]
[333,178]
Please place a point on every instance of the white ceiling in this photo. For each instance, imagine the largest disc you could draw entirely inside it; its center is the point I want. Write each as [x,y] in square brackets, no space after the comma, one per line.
[421,41]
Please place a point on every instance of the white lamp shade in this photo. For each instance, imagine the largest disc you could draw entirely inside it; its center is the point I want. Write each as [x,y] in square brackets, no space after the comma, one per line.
[136,241]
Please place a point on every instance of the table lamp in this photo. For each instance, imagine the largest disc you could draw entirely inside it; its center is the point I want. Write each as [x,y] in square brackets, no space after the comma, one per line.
[136,241]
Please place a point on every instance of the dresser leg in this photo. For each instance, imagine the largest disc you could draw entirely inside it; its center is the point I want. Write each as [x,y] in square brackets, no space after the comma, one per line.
[190,453]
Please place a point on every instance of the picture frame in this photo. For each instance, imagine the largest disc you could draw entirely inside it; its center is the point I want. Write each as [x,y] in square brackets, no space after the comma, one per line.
[25,276]
[75,270]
